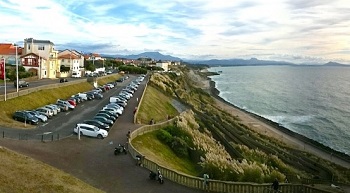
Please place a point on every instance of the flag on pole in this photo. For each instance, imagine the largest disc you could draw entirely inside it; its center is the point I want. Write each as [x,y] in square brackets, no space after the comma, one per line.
[2,68]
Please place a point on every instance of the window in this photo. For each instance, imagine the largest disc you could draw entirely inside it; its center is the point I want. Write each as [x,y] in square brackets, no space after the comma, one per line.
[28,46]
[62,60]
[41,48]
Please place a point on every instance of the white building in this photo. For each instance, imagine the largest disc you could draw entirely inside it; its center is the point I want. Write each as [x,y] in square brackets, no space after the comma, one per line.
[72,59]
[164,65]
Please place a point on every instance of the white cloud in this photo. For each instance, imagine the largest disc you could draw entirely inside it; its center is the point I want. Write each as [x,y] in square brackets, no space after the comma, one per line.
[222,29]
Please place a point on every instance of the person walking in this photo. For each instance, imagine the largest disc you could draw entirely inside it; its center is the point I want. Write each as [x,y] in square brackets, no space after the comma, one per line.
[205,181]
[128,135]
[275,185]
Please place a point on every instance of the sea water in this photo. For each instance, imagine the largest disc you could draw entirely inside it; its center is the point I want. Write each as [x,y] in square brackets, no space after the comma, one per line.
[313,101]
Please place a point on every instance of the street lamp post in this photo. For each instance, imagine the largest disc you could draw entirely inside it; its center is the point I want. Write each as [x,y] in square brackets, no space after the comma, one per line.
[16,68]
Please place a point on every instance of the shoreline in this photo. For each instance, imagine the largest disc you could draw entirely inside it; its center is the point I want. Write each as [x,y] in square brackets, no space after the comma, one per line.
[273,129]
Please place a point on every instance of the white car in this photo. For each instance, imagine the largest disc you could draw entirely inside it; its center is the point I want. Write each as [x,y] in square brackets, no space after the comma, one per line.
[90,130]
[113,110]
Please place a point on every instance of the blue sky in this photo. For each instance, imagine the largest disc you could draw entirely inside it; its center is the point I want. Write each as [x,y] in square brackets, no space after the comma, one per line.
[313,31]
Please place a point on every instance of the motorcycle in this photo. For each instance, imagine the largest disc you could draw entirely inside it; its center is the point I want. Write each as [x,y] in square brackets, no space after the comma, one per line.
[120,149]
[154,176]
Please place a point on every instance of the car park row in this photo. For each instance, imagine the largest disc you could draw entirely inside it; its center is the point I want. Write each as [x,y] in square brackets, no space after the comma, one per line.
[46,112]
[99,125]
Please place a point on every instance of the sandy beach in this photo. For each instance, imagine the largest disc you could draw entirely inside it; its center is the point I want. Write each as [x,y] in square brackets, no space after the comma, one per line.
[271,129]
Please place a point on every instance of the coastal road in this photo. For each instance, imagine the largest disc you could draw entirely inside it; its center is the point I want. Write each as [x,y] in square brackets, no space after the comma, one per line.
[32,83]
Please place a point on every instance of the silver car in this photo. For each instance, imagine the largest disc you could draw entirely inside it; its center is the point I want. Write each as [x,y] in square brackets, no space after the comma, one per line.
[38,115]
[48,112]
[53,109]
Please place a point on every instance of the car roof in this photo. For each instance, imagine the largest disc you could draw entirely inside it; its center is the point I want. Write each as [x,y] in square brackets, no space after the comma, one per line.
[86,125]
[93,120]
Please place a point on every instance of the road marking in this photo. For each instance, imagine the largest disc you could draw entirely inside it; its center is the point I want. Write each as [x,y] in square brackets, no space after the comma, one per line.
[44,124]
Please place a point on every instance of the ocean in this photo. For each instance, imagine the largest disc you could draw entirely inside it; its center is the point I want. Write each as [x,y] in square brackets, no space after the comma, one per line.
[313,101]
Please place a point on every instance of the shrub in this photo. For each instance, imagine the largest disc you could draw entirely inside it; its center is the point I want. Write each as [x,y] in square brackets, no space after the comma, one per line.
[180,147]
[164,136]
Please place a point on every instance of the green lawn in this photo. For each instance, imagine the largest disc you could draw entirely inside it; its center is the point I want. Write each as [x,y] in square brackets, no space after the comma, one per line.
[151,147]
[155,105]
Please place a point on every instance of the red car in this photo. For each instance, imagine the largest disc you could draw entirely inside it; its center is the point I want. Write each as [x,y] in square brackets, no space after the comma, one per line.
[72,103]
[106,87]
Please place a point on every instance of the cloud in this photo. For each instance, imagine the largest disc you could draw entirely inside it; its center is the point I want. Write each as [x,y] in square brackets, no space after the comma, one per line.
[196,28]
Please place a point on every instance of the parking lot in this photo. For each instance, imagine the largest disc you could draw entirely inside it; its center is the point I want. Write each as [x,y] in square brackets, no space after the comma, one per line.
[92,160]
[61,125]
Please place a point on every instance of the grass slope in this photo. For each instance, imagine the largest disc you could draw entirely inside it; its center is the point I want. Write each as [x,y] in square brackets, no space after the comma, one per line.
[23,174]
[151,147]
[155,105]
[35,100]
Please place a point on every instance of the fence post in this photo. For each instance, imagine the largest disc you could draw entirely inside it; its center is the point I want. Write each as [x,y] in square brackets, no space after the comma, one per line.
[51,137]
[42,138]
[58,136]
[3,134]
[19,136]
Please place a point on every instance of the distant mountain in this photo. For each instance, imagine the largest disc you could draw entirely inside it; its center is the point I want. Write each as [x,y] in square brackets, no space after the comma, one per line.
[241,62]
[153,55]
[334,64]
[217,62]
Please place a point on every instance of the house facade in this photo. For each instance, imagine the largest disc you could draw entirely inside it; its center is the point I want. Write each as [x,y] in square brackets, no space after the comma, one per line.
[72,59]
[8,52]
[41,57]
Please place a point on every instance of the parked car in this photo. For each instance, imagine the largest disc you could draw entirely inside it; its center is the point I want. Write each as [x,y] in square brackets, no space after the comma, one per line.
[126,93]
[54,110]
[55,107]
[98,96]
[72,102]
[25,117]
[38,115]
[113,109]
[63,107]
[104,120]
[48,112]
[90,130]
[70,106]
[90,95]
[120,79]
[115,105]
[21,83]
[106,116]
[62,80]
[97,123]
[109,113]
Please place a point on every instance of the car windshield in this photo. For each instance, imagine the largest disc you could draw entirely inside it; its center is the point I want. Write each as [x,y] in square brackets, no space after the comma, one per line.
[34,113]
[29,115]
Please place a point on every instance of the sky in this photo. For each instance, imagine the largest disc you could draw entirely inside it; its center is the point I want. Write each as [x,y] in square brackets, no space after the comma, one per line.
[298,31]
